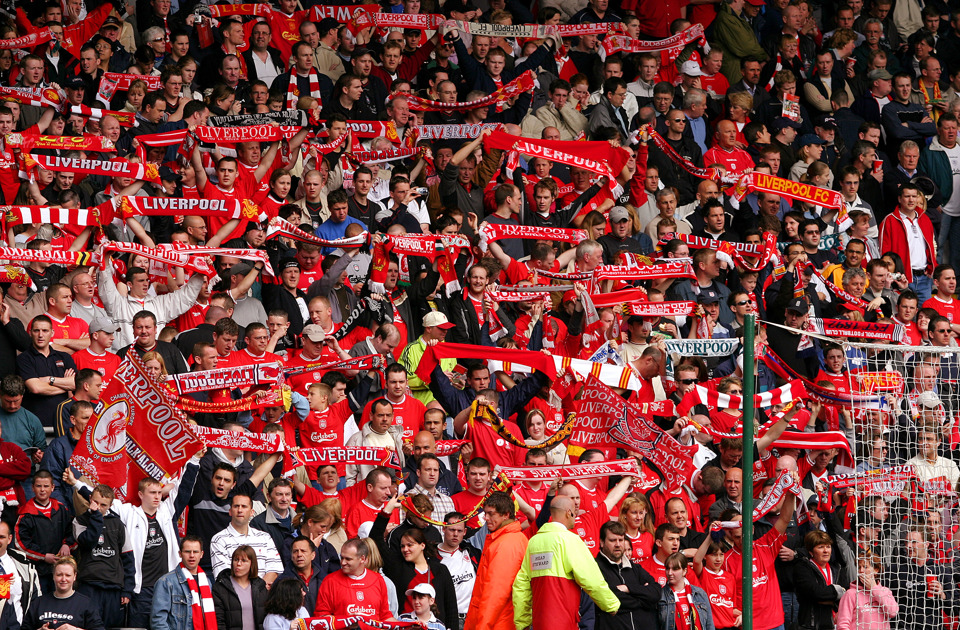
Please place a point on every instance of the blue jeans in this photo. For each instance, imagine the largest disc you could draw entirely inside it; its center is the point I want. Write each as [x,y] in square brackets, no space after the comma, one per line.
[790,608]
[923,286]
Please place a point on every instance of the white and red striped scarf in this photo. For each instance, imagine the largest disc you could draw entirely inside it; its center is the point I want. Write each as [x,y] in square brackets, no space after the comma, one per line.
[449,447]
[226,10]
[784,483]
[374,157]
[25,215]
[533,474]
[166,256]
[700,395]
[659,309]
[368,129]
[55,257]
[293,89]
[851,328]
[644,272]
[801,191]
[204,616]
[451,132]
[175,206]
[31,40]
[28,141]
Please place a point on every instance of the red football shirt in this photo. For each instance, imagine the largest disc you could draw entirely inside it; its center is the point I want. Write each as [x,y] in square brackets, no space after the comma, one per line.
[69,327]
[106,363]
[408,413]
[325,428]
[767,605]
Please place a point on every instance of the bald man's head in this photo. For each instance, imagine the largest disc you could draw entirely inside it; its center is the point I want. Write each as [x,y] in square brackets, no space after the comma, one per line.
[424,442]
[563,510]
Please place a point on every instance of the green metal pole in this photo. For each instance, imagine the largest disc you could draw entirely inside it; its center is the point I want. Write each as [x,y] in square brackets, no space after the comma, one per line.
[749,385]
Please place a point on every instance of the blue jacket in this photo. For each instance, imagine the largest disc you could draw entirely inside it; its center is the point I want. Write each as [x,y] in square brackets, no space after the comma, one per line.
[172,603]
[476,76]
[935,163]
[56,459]
[667,608]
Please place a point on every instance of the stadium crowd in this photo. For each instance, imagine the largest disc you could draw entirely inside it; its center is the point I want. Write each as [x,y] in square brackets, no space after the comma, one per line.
[502,178]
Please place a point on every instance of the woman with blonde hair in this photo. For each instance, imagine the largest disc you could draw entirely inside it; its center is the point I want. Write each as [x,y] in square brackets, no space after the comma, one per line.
[336,534]
[156,366]
[536,425]
[636,516]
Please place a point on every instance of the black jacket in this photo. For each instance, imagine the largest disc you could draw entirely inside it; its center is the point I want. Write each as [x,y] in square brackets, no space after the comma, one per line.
[275,297]
[817,599]
[672,174]
[100,542]
[463,315]
[227,604]
[275,57]
[638,606]
[402,572]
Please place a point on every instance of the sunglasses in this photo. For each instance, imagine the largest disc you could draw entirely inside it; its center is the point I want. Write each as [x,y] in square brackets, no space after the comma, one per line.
[688,381]
[735,392]
[742,302]
[679,120]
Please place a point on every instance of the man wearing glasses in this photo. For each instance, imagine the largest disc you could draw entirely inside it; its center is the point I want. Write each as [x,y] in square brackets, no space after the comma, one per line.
[809,232]
[671,173]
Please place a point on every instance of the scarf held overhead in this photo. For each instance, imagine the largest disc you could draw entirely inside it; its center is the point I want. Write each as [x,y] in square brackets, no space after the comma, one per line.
[524,83]
[620,467]
[226,378]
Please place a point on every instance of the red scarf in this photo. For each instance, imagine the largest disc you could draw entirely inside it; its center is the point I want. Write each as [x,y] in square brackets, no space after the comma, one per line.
[524,83]
[204,617]
[293,89]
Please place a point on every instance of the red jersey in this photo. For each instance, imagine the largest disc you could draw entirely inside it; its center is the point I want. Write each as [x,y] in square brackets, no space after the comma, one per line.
[641,547]
[245,357]
[300,382]
[534,498]
[735,160]
[767,605]
[69,327]
[325,428]
[590,499]
[106,363]
[340,595]
[465,501]
[659,572]
[554,417]
[214,224]
[717,82]
[722,590]
[841,381]
[588,526]
[949,309]
[363,513]
[192,318]
[489,445]
[408,413]
[308,277]
[289,421]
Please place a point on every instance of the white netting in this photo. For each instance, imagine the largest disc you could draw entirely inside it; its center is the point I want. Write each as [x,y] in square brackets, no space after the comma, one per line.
[902,418]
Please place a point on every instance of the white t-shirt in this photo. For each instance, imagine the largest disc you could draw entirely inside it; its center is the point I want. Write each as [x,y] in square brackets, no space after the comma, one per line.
[952,207]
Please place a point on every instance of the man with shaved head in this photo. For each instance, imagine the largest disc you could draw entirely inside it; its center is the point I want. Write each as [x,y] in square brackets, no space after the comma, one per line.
[588,521]
[560,563]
